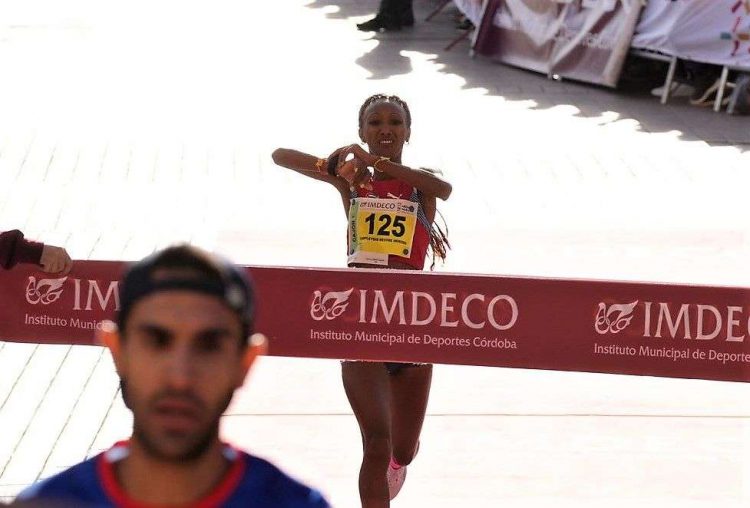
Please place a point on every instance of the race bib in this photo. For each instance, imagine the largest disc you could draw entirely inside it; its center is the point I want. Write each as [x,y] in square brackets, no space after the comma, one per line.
[379,228]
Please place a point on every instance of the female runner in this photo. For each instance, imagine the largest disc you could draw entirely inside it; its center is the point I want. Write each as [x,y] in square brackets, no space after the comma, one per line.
[388,399]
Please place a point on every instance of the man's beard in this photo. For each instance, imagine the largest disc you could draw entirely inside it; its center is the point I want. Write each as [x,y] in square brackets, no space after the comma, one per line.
[197,447]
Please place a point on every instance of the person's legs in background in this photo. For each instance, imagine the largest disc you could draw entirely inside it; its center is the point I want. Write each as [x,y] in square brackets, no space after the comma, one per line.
[739,101]
[705,81]
[392,15]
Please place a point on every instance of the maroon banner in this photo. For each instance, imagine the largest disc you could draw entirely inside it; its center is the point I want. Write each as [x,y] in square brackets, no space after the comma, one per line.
[585,40]
[593,326]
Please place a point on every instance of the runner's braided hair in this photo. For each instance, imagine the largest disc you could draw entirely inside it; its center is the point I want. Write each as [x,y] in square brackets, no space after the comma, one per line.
[439,243]
[379,97]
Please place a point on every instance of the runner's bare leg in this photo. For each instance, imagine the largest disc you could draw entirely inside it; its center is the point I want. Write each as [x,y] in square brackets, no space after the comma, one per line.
[410,389]
[368,389]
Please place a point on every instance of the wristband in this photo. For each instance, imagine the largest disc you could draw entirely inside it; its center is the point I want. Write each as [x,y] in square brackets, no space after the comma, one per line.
[380,159]
[319,165]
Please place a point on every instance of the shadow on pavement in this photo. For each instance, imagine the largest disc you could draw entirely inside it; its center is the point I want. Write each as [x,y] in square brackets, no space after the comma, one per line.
[631,100]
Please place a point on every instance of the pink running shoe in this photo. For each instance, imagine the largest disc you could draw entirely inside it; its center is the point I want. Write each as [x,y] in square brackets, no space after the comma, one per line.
[396,476]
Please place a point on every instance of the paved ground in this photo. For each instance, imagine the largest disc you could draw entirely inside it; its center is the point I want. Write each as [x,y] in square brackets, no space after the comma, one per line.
[126,127]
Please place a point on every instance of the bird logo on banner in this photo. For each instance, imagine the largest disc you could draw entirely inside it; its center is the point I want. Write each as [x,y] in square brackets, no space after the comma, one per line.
[45,291]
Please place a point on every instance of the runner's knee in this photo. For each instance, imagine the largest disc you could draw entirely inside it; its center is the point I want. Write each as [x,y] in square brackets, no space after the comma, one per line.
[403,456]
[378,447]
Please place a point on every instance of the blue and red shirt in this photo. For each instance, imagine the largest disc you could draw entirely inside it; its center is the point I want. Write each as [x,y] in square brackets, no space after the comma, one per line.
[250,482]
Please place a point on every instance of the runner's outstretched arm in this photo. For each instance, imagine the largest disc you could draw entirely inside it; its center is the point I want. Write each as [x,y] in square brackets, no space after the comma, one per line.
[306,164]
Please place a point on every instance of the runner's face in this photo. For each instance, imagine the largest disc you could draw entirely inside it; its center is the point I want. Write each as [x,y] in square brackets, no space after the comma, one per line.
[384,129]
[181,361]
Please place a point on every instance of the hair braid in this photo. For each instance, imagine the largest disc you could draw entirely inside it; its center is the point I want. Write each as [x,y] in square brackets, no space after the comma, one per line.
[380,97]
[439,241]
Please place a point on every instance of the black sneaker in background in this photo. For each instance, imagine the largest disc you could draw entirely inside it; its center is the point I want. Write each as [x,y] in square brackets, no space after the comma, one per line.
[465,24]
[378,24]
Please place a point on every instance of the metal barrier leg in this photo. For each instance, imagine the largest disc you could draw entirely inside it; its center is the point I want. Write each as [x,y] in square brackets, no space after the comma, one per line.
[437,9]
[668,82]
[720,91]
[458,39]
[475,32]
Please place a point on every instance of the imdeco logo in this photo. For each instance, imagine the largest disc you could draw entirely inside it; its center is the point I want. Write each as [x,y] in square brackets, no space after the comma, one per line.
[44,291]
[417,308]
[615,318]
[329,306]
[672,320]
[86,294]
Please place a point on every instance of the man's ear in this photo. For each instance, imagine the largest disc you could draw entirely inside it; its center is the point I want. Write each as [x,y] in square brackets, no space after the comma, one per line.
[109,336]
[257,346]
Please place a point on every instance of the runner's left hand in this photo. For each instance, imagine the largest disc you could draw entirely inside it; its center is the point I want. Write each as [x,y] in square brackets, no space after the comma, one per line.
[356,173]
[358,152]
[353,167]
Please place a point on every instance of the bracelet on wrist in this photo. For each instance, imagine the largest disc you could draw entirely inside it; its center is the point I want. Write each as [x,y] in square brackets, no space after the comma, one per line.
[380,161]
[319,165]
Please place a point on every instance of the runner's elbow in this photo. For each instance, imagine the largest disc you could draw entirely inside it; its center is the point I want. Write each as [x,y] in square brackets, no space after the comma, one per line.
[278,155]
[445,191]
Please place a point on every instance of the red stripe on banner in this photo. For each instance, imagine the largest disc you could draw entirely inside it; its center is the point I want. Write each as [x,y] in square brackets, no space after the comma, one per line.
[573,325]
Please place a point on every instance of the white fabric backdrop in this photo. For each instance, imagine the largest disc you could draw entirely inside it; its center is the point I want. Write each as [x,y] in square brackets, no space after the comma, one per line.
[472,9]
[709,31]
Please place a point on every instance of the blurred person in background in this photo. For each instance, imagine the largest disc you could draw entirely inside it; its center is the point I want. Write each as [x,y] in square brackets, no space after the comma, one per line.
[392,15]
[15,249]
[182,345]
